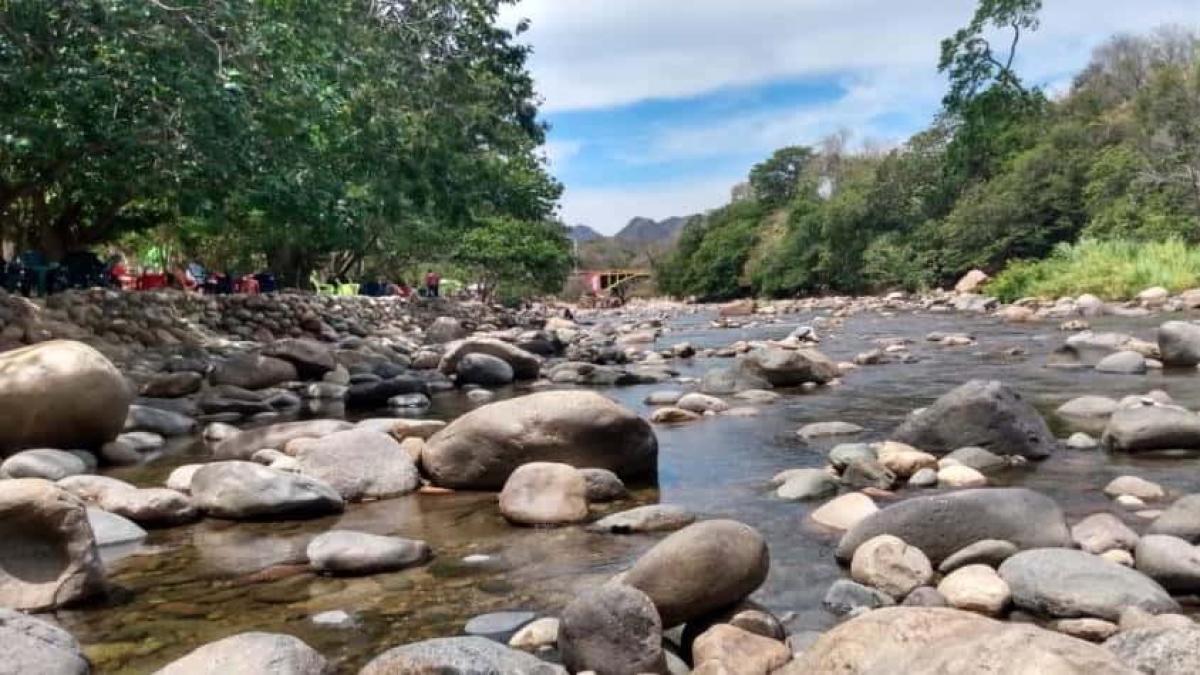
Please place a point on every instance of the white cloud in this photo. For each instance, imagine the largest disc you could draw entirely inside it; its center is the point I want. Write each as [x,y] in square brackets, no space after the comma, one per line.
[603,53]
[609,209]
[559,152]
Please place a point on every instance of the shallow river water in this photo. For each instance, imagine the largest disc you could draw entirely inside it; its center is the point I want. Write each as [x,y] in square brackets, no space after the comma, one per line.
[190,585]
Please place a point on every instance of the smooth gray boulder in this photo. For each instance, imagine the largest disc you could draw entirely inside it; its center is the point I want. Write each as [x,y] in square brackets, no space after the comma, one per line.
[611,629]
[1147,428]
[1102,532]
[1179,343]
[480,449]
[60,394]
[789,367]
[1158,650]
[358,463]
[349,553]
[979,459]
[311,359]
[525,366]
[250,654]
[244,444]
[701,568]
[980,413]
[245,490]
[603,485]
[1122,363]
[1180,519]
[465,655]
[1171,561]
[650,518]
[36,647]
[48,558]
[253,372]
[484,370]
[49,464]
[805,484]
[1062,582]
[165,423]
[942,524]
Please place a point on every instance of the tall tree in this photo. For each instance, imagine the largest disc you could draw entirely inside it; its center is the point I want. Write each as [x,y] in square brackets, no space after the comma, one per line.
[971,61]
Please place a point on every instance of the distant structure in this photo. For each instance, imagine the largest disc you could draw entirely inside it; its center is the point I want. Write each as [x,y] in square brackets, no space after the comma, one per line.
[741,192]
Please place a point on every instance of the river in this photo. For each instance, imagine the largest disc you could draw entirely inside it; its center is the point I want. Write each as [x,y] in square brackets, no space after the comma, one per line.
[190,585]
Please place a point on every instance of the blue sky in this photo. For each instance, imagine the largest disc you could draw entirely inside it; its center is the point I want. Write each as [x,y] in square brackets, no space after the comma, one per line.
[658,107]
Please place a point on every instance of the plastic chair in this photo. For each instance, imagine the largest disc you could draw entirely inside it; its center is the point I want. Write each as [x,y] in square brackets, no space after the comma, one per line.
[347,289]
[322,288]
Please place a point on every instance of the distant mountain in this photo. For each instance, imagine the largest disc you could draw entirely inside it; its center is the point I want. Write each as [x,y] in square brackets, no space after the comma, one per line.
[582,234]
[647,231]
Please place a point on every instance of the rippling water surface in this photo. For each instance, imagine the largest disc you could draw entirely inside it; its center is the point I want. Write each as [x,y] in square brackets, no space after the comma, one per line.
[190,585]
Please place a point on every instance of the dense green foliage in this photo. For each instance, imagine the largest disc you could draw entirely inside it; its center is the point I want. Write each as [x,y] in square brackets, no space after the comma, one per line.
[1112,269]
[344,133]
[516,258]
[1003,174]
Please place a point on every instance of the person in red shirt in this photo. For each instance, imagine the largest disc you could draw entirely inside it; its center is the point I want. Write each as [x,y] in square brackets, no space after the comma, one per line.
[432,281]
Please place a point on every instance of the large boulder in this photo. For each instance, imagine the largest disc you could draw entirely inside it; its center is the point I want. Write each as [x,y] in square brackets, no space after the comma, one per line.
[245,490]
[544,493]
[612,629]
[346,552]
[1179,343]
[48,557]
[44,463]
[701,568]
[1159,650]
[250,654]
[584,429]
[358,463]
[1171,561]
[1180,519]
[1062,582]
[254,371]
[310,358]
[942,524]
[525,365]
[474,655]
[1146,428]
[935,641]
[275,437]
[60,394]
[789,367]
[32,645]
[484,370]
[980,413]
[1089,348]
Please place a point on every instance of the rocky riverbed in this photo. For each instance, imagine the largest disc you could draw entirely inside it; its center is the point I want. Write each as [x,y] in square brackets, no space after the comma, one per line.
[328,485]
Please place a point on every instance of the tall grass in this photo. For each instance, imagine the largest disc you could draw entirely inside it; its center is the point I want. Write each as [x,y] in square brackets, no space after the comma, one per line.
[1111,269]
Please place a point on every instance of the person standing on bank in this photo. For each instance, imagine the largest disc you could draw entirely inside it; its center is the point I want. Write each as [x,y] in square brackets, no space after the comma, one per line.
[432,281]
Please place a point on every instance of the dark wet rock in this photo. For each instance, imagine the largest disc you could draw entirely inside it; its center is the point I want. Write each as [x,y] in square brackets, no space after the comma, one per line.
[580,428]
[701,568]
[310,358]
[244,490]
[1060,582]
[254,371]
[1148,428]
[1159,650]
[990,552]
[864,473]
[377,394]
[173,385]
[1171,561]
[49,556]
[251,654]
[1180,519]
[445,329]
[358,463]
[1179,343]
[49,464]
[846,596]
[60,394]
[484,370]
[650,518]
[33,646]
[474,655]
[351,553]
[544,493]
[611,629]
[720,381]
[942,524]
[980,413]
[275,437]
[525,366]
[161,422]
[498,626]
[925,596]
[790,367]
[603,485]
[933,641]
